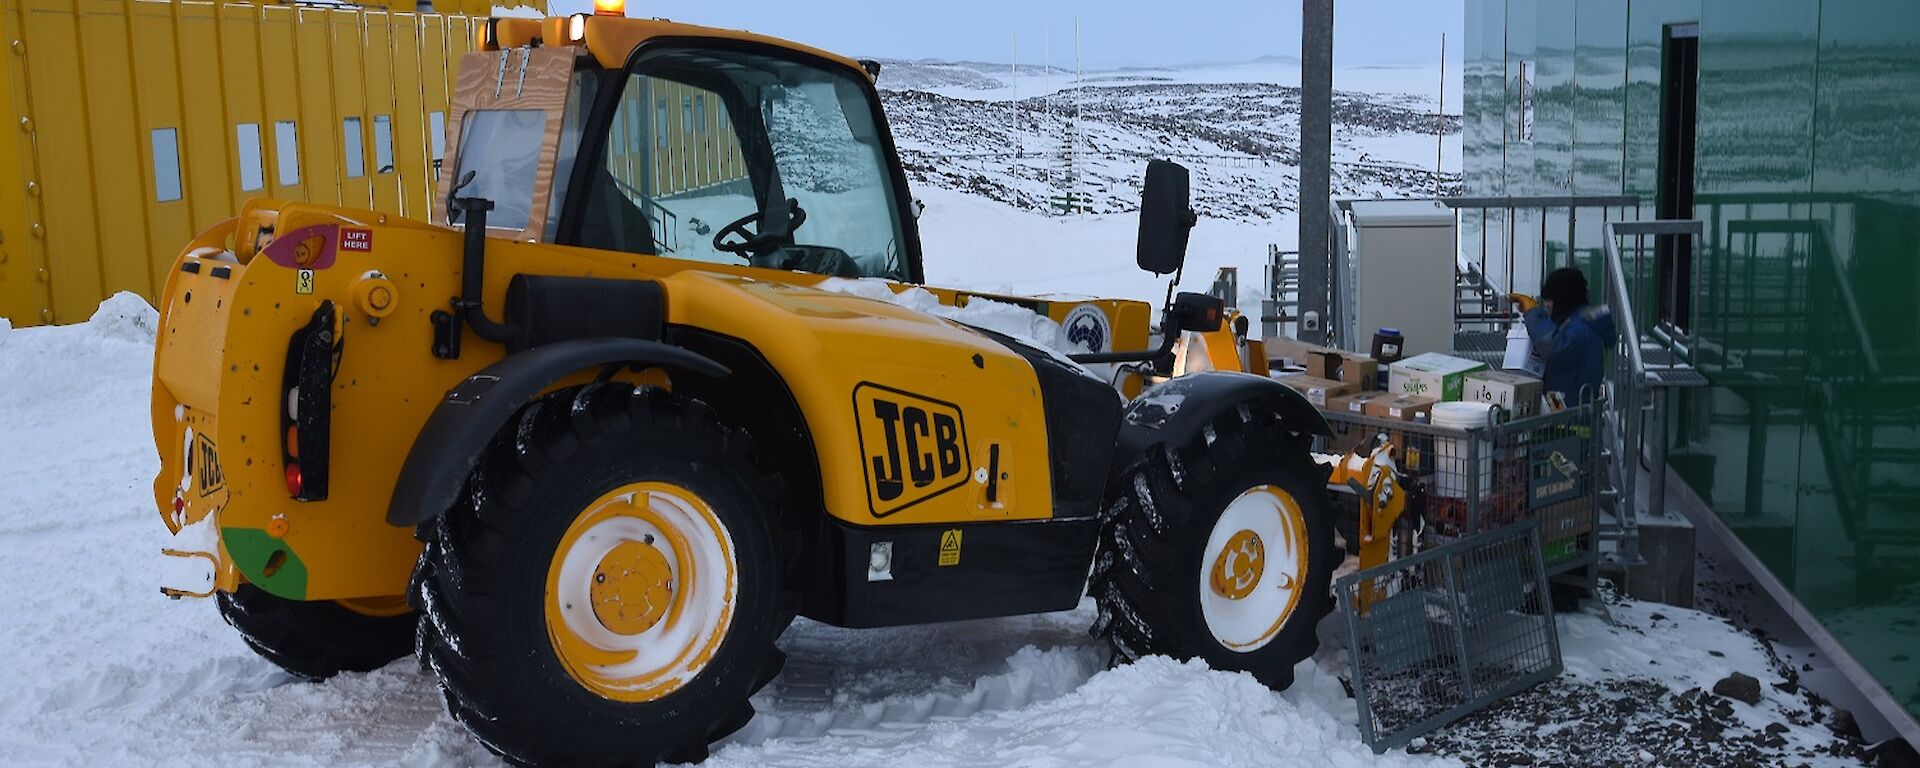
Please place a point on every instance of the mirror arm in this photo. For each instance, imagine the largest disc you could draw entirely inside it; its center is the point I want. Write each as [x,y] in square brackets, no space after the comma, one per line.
[1169,332]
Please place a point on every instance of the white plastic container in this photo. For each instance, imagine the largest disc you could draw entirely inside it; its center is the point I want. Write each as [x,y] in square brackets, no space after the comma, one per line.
[1453,454]
[1520,356]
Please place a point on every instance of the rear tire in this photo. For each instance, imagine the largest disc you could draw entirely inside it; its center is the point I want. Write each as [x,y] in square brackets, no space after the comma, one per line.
[318,639]
[531,627]
[1247,485]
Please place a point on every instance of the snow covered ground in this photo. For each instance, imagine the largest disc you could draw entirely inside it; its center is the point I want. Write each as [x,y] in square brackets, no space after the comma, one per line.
[100,669]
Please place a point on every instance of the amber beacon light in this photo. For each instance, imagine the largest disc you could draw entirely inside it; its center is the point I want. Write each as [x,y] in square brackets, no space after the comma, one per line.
[609,7]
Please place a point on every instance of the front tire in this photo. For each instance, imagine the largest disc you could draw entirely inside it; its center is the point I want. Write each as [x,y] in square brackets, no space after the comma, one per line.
[608,593]
[322,638]
[1221,550]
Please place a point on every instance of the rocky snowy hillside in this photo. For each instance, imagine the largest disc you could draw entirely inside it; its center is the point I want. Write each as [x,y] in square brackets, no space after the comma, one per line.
[1033,141]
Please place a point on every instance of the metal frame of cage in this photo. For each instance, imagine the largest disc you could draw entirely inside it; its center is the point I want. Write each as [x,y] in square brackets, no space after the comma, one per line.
[1546,467]
[1437,635]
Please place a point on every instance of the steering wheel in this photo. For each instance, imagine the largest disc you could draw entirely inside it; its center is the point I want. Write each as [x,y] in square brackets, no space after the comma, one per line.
[749,244]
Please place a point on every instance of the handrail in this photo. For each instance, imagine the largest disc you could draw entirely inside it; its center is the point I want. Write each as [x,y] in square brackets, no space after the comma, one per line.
[1623,313]
[1616,275]
[1483,288]
[1510,201]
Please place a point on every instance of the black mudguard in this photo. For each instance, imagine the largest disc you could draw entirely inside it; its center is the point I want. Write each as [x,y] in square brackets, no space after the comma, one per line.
[1174,411]
[459,430]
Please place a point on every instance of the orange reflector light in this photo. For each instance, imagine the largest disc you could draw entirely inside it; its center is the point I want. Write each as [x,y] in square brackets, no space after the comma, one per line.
[293,478]
[609,7]
[293,440]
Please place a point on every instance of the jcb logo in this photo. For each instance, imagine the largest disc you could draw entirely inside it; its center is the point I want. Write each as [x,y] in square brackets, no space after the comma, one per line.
[915,448]
[206,463]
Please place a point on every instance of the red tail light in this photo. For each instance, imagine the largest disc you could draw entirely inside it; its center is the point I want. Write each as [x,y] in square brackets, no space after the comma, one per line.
[293,478]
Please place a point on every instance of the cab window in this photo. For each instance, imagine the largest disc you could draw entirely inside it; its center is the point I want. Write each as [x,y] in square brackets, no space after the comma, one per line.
[733,157]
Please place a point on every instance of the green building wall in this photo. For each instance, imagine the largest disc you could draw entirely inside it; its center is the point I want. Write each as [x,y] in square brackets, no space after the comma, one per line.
[1807,173]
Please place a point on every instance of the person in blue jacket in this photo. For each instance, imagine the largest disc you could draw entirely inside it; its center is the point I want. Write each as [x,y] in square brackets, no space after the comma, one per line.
[1571,336]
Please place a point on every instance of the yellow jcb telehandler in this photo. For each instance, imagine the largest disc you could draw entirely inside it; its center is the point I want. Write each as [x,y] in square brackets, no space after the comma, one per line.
[588,448]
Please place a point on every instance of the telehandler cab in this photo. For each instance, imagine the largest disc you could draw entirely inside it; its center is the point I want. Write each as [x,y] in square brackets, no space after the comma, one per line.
[591,446]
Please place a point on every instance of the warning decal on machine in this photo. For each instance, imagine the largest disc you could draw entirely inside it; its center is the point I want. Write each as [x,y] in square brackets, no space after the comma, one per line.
[950,548]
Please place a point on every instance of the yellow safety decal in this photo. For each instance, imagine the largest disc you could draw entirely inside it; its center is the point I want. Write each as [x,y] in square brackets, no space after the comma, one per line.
[950,548]
[303,281]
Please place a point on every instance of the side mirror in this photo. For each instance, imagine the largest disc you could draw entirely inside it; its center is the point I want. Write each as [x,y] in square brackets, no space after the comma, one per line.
[1166,216]
[1196,312]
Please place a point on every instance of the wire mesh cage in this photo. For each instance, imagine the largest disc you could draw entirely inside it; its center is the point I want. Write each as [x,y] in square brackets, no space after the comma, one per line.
[1444,632]
[1545,468]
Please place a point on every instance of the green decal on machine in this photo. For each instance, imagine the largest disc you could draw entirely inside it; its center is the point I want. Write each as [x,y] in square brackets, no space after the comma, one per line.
[255,552]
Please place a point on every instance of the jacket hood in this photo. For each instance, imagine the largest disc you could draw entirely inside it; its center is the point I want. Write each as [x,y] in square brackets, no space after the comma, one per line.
[1599,319]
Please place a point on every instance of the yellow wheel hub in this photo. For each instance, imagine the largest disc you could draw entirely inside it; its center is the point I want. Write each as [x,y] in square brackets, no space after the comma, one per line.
[1238,567]
[640,592]
[632,588]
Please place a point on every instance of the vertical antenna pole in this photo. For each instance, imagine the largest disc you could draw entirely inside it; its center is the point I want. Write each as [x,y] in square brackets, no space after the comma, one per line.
[1440,119]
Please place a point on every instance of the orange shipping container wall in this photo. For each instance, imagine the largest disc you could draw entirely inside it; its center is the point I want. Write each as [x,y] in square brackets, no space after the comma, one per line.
[133,124]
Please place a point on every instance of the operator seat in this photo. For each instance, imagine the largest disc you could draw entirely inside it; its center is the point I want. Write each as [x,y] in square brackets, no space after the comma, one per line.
[611,221]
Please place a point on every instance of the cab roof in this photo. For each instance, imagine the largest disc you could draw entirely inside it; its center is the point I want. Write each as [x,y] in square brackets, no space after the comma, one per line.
[611,39]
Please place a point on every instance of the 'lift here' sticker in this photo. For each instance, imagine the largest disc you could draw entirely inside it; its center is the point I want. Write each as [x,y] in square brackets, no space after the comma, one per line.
[318,246]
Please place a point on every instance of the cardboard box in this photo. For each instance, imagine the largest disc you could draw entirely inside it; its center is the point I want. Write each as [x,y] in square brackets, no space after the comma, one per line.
[1318,390]
[1514,391]
[1401,407]
[1355,403]
[1432,375]
[1359,370]
[1347,436]
[1283,352]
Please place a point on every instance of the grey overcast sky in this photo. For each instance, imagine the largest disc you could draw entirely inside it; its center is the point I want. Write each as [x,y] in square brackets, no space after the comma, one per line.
[1112,32]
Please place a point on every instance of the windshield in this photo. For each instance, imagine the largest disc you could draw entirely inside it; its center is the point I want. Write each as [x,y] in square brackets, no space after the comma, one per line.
[703,139]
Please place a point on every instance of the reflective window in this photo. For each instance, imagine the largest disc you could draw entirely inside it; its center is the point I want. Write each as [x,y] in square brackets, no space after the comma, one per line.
[437,135]
[382,144]
[823,152]
[166,165]
[247,142]
[286,150]
[502,149]
[355,147]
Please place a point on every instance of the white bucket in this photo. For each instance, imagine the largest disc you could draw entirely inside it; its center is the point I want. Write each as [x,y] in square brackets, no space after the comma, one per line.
[1452,454]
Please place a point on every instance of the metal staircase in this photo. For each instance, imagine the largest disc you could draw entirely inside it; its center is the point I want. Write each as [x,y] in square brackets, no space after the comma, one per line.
[1646,368]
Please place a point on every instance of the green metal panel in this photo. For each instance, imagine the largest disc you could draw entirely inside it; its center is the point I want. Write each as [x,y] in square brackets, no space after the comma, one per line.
[1553,129]
[1863,580]
[1600,31]
[1808,174]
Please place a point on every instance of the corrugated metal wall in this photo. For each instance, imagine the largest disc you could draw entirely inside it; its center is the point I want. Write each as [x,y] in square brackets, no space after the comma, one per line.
[132,124]
[670,138]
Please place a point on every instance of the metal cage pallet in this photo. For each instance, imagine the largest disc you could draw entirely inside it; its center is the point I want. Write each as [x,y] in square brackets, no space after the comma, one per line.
[1545,467]
[1442,633]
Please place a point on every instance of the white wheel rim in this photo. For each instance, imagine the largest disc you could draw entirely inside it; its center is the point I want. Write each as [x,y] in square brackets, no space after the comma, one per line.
[1265,597]
[698,553]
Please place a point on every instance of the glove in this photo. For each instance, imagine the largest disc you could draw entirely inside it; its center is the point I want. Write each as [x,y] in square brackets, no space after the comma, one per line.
[1524,302]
